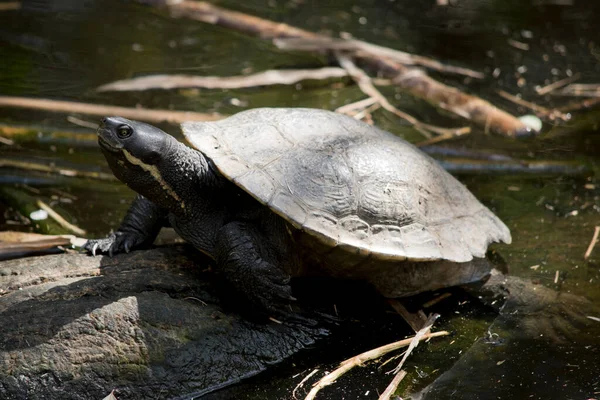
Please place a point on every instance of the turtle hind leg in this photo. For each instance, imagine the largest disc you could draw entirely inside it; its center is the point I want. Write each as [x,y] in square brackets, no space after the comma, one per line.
[251,263]
[139,228]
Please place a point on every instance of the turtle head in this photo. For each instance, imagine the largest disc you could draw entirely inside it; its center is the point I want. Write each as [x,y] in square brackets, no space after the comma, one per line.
[146,159]
[133,140]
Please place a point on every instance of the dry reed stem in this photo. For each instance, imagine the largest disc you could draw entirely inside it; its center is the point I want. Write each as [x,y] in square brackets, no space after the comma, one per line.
[590,248]
[59,219]
[360,359]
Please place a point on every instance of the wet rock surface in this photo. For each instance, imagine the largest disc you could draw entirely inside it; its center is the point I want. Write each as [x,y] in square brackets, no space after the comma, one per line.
[148,324]
[539,332]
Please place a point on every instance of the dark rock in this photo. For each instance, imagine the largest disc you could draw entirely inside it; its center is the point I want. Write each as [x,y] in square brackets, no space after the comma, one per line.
[147,324]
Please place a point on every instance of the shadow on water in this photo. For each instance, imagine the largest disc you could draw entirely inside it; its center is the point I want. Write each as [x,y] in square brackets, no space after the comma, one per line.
[64,49]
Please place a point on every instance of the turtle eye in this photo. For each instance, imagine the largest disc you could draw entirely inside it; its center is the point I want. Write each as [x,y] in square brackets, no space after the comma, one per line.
[124,131]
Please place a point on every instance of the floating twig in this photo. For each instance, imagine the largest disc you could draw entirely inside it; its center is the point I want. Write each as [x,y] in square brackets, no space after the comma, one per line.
[515,167]
[303,381]
[410,79]
[416,339]
[541,111]
[31,166]
[10,6]
[59,219]
[6,141]
[580,89]
[558,84]
[148,115]
[265,78]
[352,45]
[360,359]
[447,136]
[389,391]
[82,123]
[364,83]
[436,300]
[518,45]
[590,248]
[585,104]
[356,106]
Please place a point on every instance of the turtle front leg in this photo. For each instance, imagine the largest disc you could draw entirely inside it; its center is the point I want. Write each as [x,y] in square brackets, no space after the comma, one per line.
[138,229]
[248,259]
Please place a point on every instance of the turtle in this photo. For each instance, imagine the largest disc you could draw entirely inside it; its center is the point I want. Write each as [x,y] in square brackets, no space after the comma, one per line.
[274,193]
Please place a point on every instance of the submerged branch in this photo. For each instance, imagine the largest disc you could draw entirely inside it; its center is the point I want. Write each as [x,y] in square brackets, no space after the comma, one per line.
[271,77]
[153,116]
[364,83]
[516,167]
[353,45]
[412,80]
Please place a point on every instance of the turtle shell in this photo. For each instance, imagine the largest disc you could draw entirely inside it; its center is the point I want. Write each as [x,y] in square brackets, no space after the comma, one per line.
[349,184]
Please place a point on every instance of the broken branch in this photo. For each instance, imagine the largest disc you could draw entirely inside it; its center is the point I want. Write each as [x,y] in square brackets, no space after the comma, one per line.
[360,359]
[412,80]
[364,83]
[154,116]
[352,45]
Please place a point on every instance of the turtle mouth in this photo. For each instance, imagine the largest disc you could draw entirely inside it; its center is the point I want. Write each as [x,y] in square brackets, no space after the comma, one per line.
[106,140]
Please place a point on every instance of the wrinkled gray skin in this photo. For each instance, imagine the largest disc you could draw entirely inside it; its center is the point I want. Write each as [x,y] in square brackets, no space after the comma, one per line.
[258,251]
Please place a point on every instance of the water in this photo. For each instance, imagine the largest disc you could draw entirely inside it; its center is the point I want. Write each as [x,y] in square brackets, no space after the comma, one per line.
[64,49]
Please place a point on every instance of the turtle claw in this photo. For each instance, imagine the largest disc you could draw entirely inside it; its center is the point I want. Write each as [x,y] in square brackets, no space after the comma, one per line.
[115,243]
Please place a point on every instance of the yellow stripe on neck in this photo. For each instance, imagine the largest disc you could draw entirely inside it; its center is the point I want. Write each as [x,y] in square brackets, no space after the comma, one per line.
[155,174]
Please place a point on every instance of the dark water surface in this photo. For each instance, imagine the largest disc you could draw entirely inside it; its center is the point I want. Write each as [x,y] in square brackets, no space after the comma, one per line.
[65,49]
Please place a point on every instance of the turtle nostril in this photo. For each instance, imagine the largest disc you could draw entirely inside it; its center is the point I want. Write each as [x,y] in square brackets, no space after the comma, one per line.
[103,121]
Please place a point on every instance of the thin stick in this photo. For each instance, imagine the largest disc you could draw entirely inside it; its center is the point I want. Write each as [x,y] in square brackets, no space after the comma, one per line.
[81,122]
[558,84]
[410,79]
[433,302]
[11,6]
[540,110]
[389,391]
[30,166]
[366,113]
[303,381]
[60,220]
[590,248]
[360,359]
[265,78]
[6,141]
[154,116]
[415,340]
[364,83]
[357,105]
[580,89]
[447,136]
[332,44]
[585,104]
